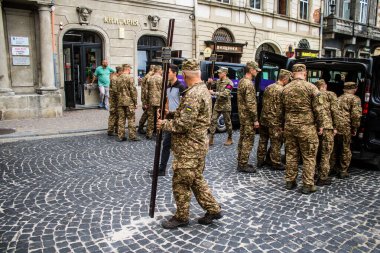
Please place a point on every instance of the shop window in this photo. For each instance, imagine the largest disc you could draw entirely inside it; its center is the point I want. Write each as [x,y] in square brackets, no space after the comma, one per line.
[330,53]
[255,4]
[282,7]
[349,54]
[222,35]
[363,11]
[304,9]
[82,37]
[223,1]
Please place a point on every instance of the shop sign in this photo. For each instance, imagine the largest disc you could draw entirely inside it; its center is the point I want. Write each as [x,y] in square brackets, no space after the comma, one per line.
[121,21]
[207,52]
[306,53]
[21,61]
[20,50]
[19,41]
[226,48]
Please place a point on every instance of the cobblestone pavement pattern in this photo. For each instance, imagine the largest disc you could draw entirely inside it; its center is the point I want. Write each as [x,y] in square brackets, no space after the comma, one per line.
[91,194]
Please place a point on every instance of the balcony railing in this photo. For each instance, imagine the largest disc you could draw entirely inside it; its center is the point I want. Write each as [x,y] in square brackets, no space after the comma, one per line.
[350,28]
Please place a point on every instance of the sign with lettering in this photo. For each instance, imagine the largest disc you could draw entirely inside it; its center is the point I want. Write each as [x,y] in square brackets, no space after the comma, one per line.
[20,50]
[21,60]
[306,53]
[225,48]
[19,41]
[121,21]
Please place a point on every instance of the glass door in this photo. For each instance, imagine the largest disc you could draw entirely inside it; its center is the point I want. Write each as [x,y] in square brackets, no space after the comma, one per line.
[68,76]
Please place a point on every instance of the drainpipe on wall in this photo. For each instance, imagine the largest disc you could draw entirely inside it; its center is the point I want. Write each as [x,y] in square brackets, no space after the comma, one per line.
[53,44]
[321,30]
[196,29]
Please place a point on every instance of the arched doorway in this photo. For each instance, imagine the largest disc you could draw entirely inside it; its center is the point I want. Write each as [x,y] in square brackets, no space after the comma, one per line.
[265,47]
[147,48]
[82,53]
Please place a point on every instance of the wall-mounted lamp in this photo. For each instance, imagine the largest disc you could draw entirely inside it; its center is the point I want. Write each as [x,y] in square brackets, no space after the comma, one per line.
[246,43]
[332,7]
[192,16]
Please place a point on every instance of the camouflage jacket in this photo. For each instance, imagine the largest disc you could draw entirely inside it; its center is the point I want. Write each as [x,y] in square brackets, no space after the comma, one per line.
[246,98]
[223,95]
[301,104]
[330,110]
[154,90]
[191,122]
[126,91]
[144,88]
[113,81]
[350,111]
[270,114]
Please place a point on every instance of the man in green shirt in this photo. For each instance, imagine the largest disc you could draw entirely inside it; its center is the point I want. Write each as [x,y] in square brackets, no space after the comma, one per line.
[102,73]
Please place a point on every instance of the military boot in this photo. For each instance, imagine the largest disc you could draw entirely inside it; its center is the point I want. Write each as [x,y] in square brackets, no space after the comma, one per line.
[290,185]
[246,169]
[260,164]
[174,223]
[308,189]
[343,175]
[322,182]
[207,219]
[110,133]
[229,141]
[211,140]
[141,130]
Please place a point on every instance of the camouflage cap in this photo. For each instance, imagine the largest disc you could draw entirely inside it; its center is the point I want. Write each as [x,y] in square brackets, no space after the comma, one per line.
[254,65]
[157,68]
[319,83]
[126,66]
[151,67]
[299,68]
[284,72]
[222,69]
[350,85]
[190,65]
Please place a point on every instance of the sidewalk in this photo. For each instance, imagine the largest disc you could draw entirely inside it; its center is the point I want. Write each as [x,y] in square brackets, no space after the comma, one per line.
[72,122]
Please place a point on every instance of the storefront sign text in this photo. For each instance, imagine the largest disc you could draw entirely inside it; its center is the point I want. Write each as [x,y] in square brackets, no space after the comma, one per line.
[228,48]
[21,60]
[20,50]
[121,21]
[19,41]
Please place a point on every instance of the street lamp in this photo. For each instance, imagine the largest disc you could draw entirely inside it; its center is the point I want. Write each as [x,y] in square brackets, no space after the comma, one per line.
[332,7]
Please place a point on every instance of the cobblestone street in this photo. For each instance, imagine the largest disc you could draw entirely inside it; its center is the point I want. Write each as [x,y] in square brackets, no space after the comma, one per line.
[91,194]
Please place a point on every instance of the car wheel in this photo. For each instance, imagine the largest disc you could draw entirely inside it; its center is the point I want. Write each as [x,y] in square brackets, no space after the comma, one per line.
[220,125]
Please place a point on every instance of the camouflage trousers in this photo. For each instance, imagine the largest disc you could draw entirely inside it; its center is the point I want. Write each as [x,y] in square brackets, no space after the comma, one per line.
[273,155]
[304,140]
[227,121]
[326,145]
[126,113]
[113,117]
[188,178]
[143,119]
[246,139]
[152,112]
[341,157]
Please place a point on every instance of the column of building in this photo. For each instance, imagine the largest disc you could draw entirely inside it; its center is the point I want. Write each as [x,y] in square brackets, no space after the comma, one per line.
[46,49]
[5,83]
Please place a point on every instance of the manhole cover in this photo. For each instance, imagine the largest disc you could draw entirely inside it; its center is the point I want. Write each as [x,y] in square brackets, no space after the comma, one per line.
[7,131]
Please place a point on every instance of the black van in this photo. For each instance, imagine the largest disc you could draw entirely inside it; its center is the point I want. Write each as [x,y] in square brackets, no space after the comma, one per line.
[336,71]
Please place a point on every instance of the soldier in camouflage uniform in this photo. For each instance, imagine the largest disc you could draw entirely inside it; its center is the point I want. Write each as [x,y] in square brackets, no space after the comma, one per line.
[350,115]
[113,119]
[154,94]
[222,104]
[270,123]
[126,104]
[190,145]
[301,108]
[145,99]
[247,108]
[326,140]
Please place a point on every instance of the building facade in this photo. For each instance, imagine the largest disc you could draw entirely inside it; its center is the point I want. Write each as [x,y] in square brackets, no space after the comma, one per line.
[53,47]
[351,28]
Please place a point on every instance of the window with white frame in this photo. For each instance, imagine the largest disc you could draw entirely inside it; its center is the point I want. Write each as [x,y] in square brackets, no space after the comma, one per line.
[346,9]
[224,1]
[255,4]
[363,11]
[304,9]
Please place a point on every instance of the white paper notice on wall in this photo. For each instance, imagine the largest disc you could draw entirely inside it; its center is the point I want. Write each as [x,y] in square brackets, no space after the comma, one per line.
[19,41]
[21,61]
[20,50]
